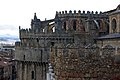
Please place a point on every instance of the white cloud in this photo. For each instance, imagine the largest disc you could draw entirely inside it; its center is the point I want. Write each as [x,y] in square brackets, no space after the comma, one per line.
[9,30]
[4,27]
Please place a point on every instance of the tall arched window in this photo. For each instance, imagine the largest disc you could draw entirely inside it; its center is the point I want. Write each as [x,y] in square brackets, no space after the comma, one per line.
[64,26]
[32,75]
[24,57]
[37,40]
[114,25]
[107,28]
[41,55]
[74,25]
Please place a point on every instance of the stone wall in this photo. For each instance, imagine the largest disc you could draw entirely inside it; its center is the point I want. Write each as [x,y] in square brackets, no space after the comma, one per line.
[28,70]
[38,55]
[93,63]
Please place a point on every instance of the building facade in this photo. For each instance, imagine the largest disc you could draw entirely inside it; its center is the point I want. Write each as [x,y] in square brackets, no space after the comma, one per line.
[73,43]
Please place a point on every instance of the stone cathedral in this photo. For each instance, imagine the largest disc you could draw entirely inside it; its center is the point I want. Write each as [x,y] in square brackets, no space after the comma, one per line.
[75,45]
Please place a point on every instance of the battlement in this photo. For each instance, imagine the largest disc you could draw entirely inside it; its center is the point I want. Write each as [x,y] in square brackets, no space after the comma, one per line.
[79,13]
[27,30]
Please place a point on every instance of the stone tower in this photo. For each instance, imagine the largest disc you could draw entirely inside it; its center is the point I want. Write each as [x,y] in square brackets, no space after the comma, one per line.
[31,54]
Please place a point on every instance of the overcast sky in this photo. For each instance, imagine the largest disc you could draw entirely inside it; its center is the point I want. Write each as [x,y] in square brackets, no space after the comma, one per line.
[15,13]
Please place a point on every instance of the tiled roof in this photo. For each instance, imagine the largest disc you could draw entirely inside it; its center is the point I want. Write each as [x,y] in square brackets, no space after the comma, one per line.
[115,12]
[110,36]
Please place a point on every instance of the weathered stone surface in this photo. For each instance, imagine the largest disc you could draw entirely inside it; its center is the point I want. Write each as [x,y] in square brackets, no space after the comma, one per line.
[91,65]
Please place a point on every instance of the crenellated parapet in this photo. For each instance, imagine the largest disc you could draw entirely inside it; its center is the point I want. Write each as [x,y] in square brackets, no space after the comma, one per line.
[23,32]
[79,13]
[28,32]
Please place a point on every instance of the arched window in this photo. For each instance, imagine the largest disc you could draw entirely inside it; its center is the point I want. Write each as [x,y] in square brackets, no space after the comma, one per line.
[64,26]
[32,75]
[114,25]
[37,40]
[52,43]
[24,57]
[74,25]
[41,55]
[107,28]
